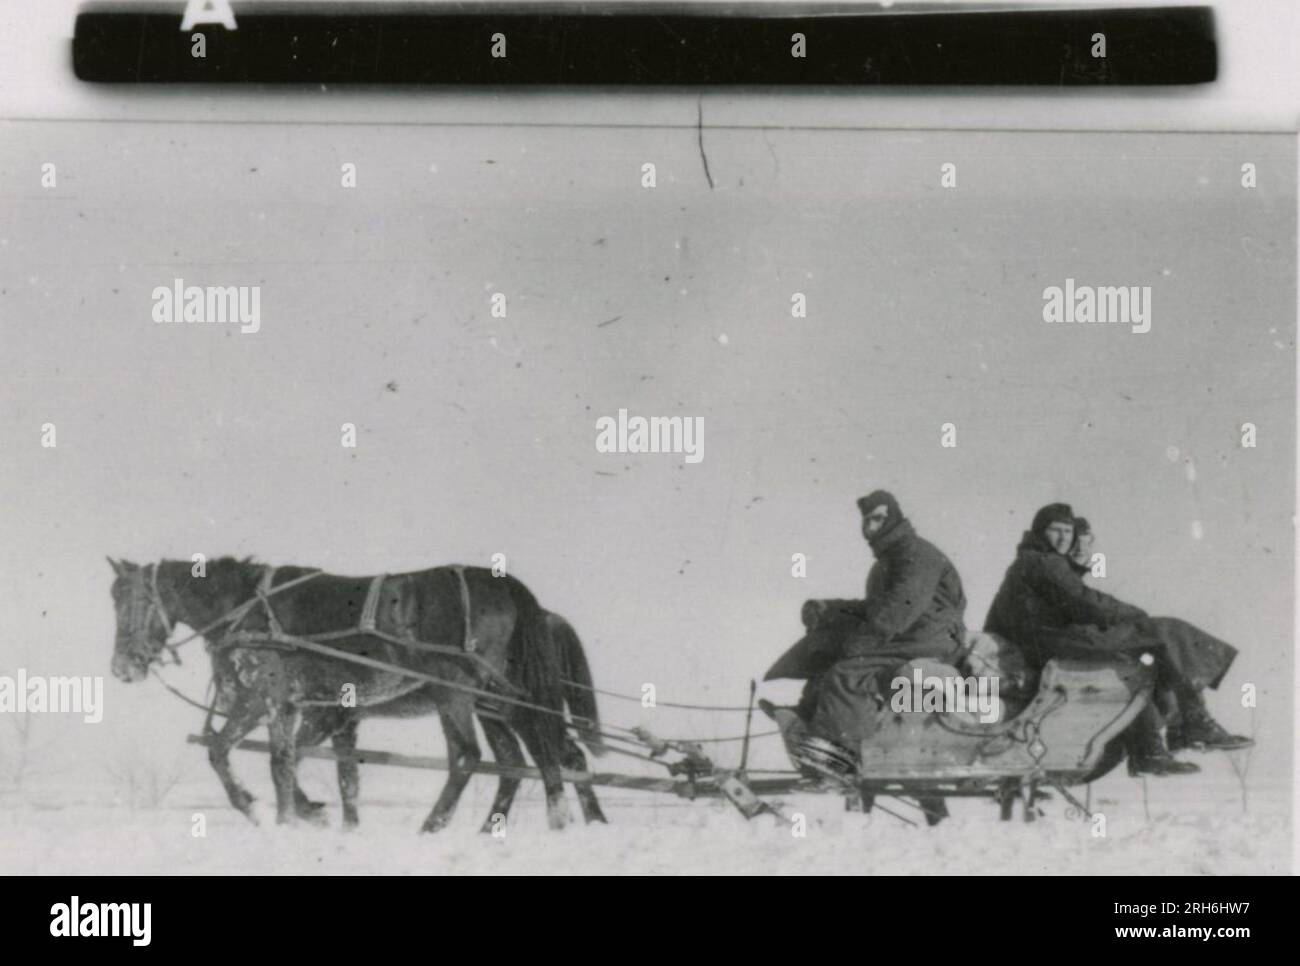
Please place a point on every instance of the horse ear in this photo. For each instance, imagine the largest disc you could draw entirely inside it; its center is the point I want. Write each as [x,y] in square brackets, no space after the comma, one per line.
[117,568]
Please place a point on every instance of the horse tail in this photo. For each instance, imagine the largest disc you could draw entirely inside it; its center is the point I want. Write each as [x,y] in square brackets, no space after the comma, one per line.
[536,667]
[579,691]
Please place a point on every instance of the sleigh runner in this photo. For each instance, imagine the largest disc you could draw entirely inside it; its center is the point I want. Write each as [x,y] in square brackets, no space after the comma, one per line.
[1045,746]
[1063,733]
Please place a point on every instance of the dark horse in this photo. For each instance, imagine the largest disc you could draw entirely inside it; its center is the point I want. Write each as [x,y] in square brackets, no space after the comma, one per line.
[289,688]
[340,725]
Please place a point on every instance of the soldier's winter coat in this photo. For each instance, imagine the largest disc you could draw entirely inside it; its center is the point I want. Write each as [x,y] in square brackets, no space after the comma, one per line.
[914,607]
[1044,607]
[915,603]
[1042,593]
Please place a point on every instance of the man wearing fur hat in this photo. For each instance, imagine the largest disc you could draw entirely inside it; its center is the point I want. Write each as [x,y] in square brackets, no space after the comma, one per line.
[1044,607]
[914,607]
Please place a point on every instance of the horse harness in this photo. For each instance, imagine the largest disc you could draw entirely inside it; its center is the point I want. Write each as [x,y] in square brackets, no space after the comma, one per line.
[370,608]
[276,637]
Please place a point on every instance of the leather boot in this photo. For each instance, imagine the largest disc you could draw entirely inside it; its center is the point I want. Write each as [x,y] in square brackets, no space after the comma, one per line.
[1197,730]
[1147,754]
[827,762]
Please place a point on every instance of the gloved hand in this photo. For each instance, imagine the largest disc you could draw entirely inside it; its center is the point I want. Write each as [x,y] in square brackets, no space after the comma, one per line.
[812,614]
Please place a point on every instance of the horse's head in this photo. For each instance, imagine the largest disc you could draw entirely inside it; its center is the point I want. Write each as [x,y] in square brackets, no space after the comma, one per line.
[142,622]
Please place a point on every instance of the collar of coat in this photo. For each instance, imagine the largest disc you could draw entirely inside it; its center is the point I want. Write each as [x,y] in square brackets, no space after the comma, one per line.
[901,531]
[1035,543]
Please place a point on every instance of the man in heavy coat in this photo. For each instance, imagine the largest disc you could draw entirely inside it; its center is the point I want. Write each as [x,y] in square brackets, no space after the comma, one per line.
[914,607]
[1044,607]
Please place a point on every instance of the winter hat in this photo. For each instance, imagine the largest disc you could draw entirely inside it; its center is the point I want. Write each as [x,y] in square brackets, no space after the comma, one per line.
[1052,513]
[876,499]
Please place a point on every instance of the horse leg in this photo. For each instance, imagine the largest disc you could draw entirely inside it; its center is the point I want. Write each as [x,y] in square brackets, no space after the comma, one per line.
[506,751]
[345,746]
[546,753]
[463,756]
[243,718]
[315,728]
[575,760]
[282,730]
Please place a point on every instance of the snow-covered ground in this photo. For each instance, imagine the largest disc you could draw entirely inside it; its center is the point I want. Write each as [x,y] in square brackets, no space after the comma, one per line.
[1187,826]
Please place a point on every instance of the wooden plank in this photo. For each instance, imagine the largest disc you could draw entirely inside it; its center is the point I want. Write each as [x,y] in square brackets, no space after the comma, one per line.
[368,757]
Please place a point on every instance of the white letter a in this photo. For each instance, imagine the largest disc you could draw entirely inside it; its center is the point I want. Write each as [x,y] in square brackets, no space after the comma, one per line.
[208,11]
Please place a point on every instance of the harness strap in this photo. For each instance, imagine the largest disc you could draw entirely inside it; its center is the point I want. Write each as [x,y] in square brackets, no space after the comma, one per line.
[470,642]
[264,593]
[211,709]
[238,613]
[371,606]
[156,600]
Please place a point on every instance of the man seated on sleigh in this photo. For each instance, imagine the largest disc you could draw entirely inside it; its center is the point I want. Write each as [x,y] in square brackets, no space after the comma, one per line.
[914,608]
[1045,607]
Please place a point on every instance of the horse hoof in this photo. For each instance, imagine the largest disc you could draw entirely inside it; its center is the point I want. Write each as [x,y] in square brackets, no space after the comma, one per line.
[258,812]
[316,817]
[557,816]
[433,825]
[494,824]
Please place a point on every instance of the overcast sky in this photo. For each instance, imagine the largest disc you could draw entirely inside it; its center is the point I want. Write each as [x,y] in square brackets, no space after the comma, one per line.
[477,435]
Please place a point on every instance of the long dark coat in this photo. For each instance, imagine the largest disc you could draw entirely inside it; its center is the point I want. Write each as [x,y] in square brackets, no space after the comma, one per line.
[1044,607]
[914,607]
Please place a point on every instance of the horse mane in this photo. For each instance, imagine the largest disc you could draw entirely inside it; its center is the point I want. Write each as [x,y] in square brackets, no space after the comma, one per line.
[230,575]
